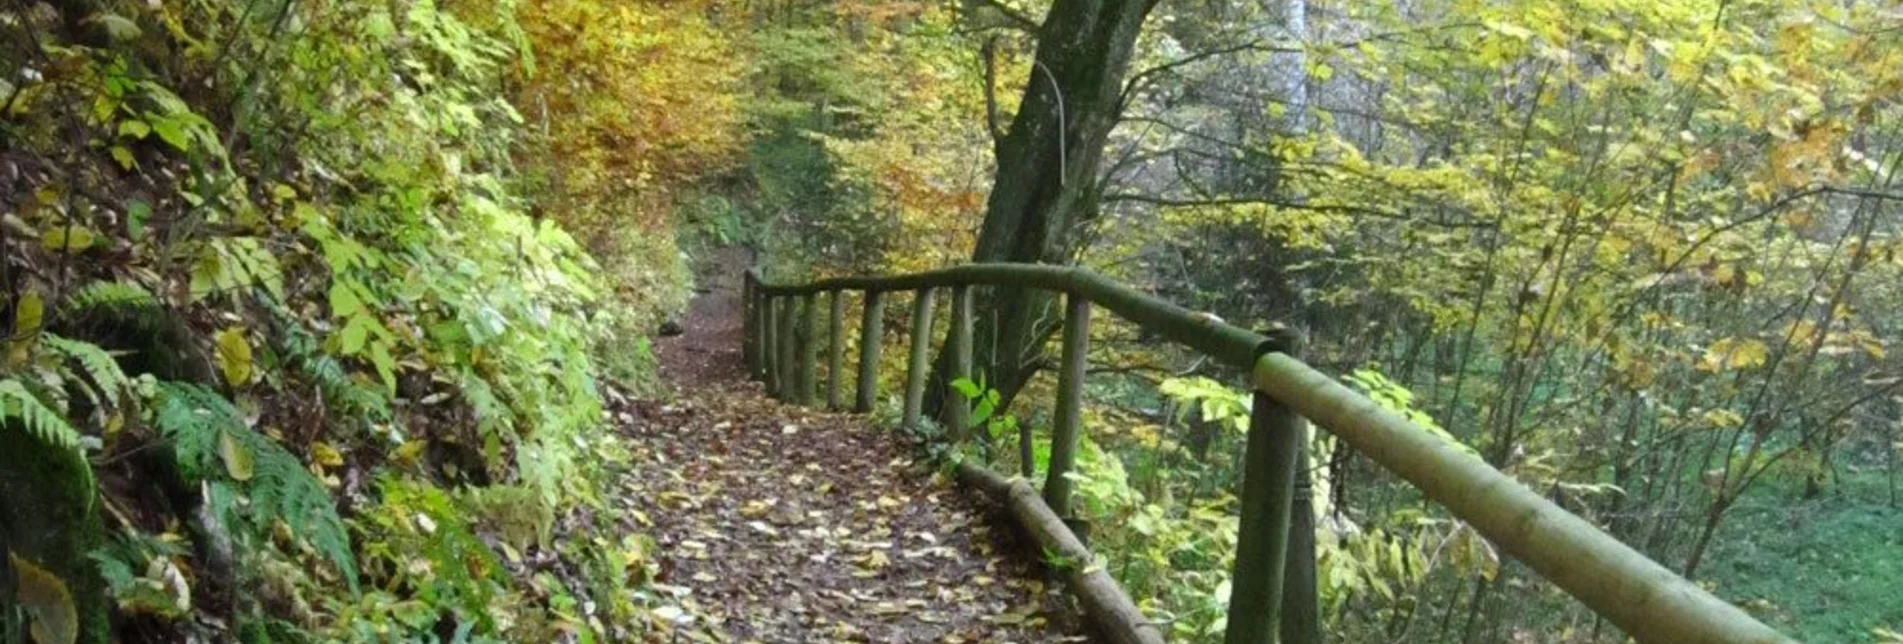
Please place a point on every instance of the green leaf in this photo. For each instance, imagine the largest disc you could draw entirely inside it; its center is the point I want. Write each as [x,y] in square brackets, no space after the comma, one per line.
[134,128]
[965,387]
[343,300]
[238,460]
[354,333]
[119,28]
[982,412]
[137,213]
[172,131]
[206,274]
[124,156]
[234,356]
[386,367]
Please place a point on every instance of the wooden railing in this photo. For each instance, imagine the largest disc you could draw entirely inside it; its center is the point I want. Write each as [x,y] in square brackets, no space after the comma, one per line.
[1273,583]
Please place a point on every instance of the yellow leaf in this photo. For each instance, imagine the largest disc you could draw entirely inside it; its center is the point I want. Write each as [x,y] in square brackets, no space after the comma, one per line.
[1872,346]
[47,601]
[1733,353]
[66,238]
[1723,418]
[28,314]
[237,459]
[409,451]
[1747,354]
[234,356]
[323,454]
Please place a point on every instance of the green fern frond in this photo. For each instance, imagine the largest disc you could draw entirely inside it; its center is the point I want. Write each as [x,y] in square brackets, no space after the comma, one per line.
[96,364]
[466,573]
[191,417]
[346,393]
[281,488]
[350,396]
[196,419]
[43,422]
[120,297]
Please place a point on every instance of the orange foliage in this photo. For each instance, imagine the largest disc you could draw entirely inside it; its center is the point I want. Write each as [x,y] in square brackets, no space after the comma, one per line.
[633,98]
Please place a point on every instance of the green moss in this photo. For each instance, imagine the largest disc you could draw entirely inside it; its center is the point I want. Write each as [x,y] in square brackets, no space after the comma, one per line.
[48,515]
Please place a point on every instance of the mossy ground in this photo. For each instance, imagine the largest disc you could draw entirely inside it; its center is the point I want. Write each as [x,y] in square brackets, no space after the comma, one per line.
[1827,569]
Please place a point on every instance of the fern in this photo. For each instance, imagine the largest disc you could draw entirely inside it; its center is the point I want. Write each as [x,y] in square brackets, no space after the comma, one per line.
[43,422]
[139,574]
[46,424]
[96,365]
[115,296]
[415,520]
[342,393]
[346,393]
[197,420]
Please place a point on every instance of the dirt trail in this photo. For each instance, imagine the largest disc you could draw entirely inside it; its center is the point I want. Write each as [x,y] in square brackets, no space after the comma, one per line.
[707,352]
[781,524]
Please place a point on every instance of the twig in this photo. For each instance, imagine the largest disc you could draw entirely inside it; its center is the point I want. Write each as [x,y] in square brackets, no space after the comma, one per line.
[1012,15]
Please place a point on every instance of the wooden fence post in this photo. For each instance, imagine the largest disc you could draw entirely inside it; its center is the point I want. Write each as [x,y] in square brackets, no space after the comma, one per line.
[809,350]
[1070,399]
[770,349]
[957,408]
[749,350]
[1259,592]
[916,367]
[789,344]
[1301,600]
[836,350]
[871,334]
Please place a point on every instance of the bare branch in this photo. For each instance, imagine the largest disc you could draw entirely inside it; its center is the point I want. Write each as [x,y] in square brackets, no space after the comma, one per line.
[990,54]
[1338,208]
[1012,15]
[1140,80]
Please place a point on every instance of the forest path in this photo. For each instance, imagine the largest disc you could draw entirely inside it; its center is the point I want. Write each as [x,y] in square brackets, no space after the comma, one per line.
[783,524]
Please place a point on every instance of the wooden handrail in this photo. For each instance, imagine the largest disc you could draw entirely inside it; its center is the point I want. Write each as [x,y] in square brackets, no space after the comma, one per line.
[1203,332]
[1651,603]
[1643,598]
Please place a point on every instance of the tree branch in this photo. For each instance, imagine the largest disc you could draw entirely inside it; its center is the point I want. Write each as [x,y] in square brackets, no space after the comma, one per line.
[1143,78]
[990,53]
[1013,16]
[1340,208]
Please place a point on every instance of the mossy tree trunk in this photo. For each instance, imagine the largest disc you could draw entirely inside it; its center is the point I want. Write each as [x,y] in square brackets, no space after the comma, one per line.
[1045,188]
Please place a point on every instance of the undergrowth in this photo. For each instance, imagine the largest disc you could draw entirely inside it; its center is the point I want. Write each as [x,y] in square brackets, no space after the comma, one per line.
[281,286]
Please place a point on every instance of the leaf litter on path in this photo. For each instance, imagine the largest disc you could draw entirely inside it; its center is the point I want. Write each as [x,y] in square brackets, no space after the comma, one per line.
[828,533]
[782,524]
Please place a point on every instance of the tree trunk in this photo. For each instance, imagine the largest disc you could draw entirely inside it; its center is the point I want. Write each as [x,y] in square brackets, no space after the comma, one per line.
[1045,187]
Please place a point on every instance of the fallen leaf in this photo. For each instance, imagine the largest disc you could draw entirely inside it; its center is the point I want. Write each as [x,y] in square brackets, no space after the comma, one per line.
[237,458]
[47,601]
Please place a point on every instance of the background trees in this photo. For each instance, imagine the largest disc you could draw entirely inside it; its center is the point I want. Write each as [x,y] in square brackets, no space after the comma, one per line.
[1640,256]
